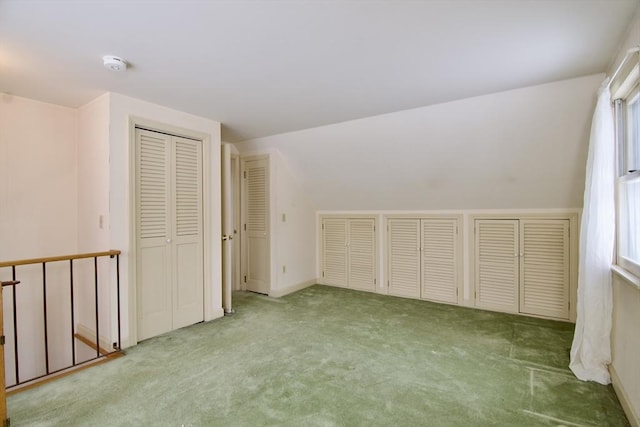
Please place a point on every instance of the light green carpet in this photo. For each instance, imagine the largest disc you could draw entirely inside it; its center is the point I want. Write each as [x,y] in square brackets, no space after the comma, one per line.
[334,357]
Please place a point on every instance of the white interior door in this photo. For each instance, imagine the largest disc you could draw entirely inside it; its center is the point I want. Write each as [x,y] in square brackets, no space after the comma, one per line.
[404,257]
[153,258]
[362,254]
[440,260]
[169,259]
[497,264]
[334,247]
[255,212]
[187,239]
[544,267]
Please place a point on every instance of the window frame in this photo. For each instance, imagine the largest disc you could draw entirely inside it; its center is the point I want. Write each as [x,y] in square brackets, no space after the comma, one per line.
[630,93]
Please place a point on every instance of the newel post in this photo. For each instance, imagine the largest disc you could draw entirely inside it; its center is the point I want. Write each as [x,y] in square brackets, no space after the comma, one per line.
[3,391]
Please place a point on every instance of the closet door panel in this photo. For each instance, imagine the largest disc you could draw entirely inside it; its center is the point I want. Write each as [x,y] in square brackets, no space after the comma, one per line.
[497,264]
[153,211]
[439,260]
[362,254]
[256,225]
[544,268]
[334,247]
[188,291]
[404,257]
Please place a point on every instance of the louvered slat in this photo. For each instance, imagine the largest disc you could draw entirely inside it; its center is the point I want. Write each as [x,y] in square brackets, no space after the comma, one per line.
[361,254]
[496,264]
[404,257]
[544,268]
[152,186]
[439,260]
[187,187]
[334,244]
[256,199]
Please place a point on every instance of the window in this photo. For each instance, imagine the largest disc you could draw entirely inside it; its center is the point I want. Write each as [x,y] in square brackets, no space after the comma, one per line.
[627,115]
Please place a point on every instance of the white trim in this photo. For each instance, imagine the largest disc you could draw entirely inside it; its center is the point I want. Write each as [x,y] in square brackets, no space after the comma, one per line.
[631,279]
[625,400]
[277,293]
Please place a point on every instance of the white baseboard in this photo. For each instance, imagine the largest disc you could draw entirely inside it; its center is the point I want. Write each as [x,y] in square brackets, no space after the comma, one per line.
[90,335]
[624,399]
[277,293]
[216,313]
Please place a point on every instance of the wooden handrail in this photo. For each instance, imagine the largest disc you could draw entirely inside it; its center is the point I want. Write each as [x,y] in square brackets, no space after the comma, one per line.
[59,258]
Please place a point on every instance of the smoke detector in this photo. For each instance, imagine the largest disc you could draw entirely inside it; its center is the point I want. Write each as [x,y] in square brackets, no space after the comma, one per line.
[114,63]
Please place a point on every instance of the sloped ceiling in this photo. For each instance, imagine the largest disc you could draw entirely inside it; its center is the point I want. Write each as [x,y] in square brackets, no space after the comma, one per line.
[268,67]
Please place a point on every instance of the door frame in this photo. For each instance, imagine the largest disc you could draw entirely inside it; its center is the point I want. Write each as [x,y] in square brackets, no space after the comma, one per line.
[235,177]
[155,126]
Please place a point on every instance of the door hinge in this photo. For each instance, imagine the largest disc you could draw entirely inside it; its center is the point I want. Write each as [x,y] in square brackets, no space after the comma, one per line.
[1,339]
[374,282]
[245,227]
[374,228]
[323,226]
[245,174]
[245,279]
[323,274]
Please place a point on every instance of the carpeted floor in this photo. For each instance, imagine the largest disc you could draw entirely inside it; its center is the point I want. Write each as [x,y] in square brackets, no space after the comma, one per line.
[334,357]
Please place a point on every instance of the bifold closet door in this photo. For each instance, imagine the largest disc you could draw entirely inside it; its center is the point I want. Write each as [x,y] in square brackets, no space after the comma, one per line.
[169,259]
[497,264]
[544,267]
[403,237]
[439,260]
[361,254]
[334,247]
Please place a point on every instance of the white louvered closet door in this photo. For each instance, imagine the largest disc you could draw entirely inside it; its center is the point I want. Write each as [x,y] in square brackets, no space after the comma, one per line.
[544,267]
[362,254]
[153,258]
[404,257]
[187,247]
[170,284]
[334,248]
[439,260]
[256,225]
[497,264]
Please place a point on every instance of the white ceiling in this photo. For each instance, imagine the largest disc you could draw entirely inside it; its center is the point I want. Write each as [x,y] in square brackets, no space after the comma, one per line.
[268,67]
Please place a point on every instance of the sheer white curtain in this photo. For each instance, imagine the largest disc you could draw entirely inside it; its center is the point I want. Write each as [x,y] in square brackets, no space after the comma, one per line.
[591,348]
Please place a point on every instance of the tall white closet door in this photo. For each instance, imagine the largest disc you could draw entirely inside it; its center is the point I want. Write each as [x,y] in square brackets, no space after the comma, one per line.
[544,267]
[362,254]
[187,248]
[404,257]
[256,225]
[169,259]
[497,264]
[334,247]
[154,273]
[439,260]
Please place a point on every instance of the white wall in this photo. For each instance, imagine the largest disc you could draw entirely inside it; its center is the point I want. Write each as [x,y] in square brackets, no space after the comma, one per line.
[625,337]
[38,195]
[93,224]
[294,265]
[121,109]
[38,216]
[520,149]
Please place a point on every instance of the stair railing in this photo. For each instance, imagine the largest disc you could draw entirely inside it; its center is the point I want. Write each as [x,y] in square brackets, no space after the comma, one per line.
[73,333]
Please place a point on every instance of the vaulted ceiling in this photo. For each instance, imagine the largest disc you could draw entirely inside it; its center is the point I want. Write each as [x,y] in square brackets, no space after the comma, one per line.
[268,67]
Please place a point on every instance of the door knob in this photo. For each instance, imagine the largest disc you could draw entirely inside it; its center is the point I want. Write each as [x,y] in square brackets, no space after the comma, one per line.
[168,240]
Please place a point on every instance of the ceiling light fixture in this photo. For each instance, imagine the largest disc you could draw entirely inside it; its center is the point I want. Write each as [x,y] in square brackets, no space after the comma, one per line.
[114,63]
